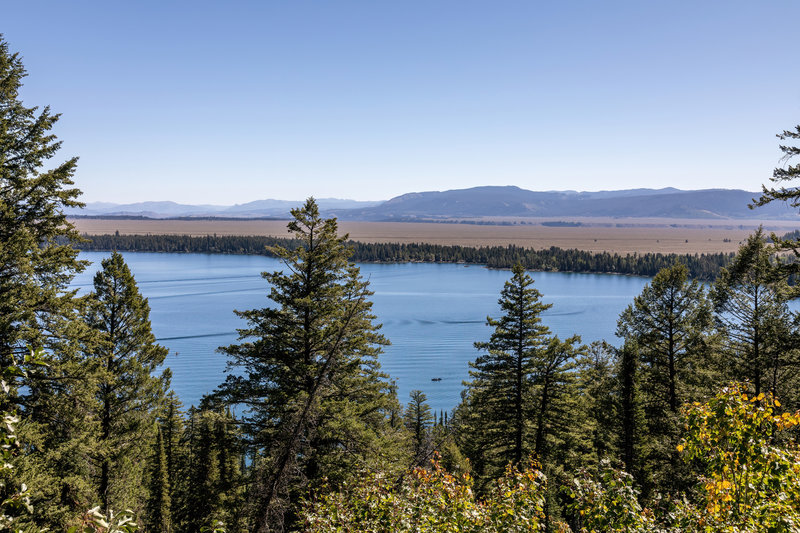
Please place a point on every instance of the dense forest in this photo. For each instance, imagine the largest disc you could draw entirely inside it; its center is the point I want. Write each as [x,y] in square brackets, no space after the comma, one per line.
[691,424]
[701,266]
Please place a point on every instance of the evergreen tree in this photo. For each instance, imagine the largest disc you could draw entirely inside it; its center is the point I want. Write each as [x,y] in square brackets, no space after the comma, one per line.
[232,468]
[37,308]
[781,174]
[499,404]
[307,371]
[553,392]
[599,383]
[593,405]
[36,265]
[555,406]
[171,426]
[128,393]
[630,407]
[209,474]
[159,512]
[61,428]
[761,338]
[201,497]
[669,324]
[418,419]
[788,194]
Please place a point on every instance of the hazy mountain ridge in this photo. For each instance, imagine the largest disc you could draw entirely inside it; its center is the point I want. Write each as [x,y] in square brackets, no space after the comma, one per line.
[486,201]
[168,209]
[510,201]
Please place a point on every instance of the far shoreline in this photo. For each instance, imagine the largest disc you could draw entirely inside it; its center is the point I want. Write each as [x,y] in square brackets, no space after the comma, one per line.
[362,262]
[596,235]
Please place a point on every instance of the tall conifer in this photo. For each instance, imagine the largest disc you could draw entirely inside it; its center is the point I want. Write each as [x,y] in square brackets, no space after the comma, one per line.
[499,406]
[762,341]
[786,173]
[632,421]
[669,324]
[159,504]
[36,265]
[594,407]
[307,372]
[128,393]
[37,308]
[418,420]
[553,383]
[171,425]
[203,494]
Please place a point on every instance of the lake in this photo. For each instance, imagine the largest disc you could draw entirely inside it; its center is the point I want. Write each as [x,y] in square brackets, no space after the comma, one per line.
[432,313]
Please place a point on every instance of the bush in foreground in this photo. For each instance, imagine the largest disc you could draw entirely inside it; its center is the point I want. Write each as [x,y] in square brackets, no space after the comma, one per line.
[432,500]
[748,481]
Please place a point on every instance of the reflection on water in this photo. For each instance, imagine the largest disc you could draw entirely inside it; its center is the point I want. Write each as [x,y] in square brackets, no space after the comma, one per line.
[432,314]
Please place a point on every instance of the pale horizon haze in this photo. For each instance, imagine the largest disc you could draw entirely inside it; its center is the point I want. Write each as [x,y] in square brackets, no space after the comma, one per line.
[229,102]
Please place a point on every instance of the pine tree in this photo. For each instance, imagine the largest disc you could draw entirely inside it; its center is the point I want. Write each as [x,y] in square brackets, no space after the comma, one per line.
[219,441]
[128,393]
[632,419]
[788,194]
[308,373]
[499,404]
[591,402]
[232,469]
[159,513]
[171,425]
[599,384]
[750,299]
[787,173]
[36,265]
[418,419]
[37,308]
[553,392]
[202,494]
[669,321]
[669,324]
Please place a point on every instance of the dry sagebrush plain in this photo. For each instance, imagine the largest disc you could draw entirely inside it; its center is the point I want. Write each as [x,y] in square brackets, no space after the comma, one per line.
[594,234]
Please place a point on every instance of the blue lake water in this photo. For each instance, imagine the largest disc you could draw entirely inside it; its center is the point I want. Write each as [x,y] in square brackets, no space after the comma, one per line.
[432,313]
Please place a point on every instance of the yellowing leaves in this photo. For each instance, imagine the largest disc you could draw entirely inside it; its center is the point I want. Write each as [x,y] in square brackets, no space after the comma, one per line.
[747,476]
[432,500]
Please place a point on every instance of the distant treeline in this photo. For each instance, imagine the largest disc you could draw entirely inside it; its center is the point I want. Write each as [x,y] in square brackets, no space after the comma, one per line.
[701,266]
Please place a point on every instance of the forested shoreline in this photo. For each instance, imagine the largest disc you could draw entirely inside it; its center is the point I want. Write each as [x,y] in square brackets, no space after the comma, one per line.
[701,266]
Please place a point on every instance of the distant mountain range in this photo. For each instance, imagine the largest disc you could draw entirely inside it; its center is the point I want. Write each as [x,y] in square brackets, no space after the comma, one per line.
[254,209]
[490,201]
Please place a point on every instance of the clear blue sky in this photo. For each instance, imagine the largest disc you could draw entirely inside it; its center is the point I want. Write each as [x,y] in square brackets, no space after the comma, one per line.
[227,102]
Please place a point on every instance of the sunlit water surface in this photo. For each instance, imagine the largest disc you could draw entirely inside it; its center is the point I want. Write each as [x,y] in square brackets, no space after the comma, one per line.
[431,313]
